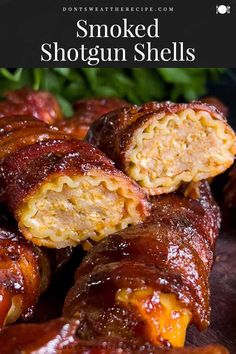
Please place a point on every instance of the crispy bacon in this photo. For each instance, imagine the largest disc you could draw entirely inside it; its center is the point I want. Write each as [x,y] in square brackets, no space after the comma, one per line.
[164,145]
[39,104]
[25,271]
[149,281]
[62,191]
[86,112]
[59,336]
[214,101]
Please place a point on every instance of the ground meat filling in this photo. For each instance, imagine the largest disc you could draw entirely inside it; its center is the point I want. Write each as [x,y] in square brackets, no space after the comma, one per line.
[70,210]
[186,146]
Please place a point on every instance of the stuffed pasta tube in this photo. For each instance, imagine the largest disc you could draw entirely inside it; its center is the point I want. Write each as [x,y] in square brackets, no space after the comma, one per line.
[39,104]
[25,272]
[86,112]
[150,281]
[164,145]
[62,191]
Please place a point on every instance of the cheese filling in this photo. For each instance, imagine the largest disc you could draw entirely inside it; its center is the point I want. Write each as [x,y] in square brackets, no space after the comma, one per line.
[183,147]
[70,210]
[165,318]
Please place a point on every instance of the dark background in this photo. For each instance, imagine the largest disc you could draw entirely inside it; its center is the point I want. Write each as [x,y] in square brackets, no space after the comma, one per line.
[225,89]
[25,25]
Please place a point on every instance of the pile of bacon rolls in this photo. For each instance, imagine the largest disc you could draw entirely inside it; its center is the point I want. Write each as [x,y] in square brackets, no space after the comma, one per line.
[135,194]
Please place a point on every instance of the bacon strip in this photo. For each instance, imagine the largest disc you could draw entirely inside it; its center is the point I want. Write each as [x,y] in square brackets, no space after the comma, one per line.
[39,104]
[60,336]
[63,191]
[149,281]
[164,145]
[86,112]
[25,272]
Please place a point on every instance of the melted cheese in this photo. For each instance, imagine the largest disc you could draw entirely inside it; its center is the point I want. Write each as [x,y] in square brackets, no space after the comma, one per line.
[165,318]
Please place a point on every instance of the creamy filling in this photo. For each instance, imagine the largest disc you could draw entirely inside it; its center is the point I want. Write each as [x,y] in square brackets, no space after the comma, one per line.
[183,147]
[165,318]
[74,209]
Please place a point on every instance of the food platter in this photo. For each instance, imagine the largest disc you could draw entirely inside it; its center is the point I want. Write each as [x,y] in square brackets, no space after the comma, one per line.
[110,230]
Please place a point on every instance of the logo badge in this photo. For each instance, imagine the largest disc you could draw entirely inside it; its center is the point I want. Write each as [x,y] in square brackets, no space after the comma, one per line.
[222,9]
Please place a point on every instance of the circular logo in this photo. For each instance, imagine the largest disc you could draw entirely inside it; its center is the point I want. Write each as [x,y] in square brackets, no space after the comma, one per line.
[222,9]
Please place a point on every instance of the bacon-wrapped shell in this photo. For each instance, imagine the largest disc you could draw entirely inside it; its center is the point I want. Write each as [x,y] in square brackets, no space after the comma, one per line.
[150,281]
[19,131]
[24,274]
[117,347]
[39,104]
[86,112]
[25,271]
[64,191]
[55,336]
[59,336]
[163,145]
